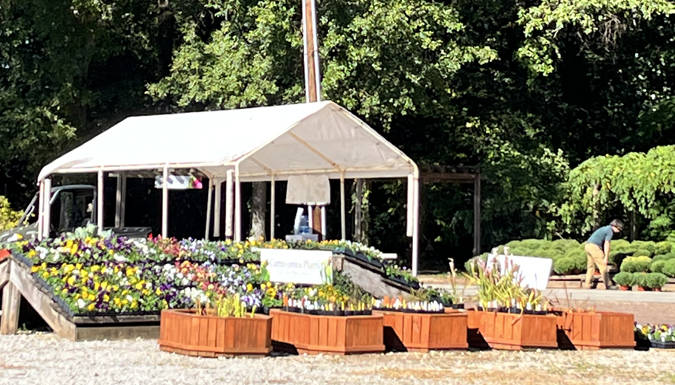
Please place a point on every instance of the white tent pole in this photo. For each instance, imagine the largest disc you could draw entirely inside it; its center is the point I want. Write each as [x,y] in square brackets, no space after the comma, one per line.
[41,201]
[123,201]
[409,206]
[323,222]
[165,202]
[272,206]
[317,68]
[209,203]
[229,203]
[99,203]
[118,201]
[47,207]
[218,207]
[237,204]
[415,233]
[310,216]
[342,206]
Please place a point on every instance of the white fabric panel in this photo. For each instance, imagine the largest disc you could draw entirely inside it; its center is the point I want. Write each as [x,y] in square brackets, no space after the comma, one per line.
[304,189]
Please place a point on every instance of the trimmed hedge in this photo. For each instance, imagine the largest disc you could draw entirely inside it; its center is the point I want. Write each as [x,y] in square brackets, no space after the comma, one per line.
[624,279]
[656,280]
[657,266]
[569,256]
[669,268]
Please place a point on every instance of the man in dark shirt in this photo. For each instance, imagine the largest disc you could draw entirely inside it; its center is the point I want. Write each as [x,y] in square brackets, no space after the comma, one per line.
[597,252]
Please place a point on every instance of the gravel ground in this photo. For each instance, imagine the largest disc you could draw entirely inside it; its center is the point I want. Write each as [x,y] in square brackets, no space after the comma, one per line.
[47,359]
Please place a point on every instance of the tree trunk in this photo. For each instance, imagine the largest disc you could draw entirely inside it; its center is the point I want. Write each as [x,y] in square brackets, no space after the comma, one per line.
[258,209]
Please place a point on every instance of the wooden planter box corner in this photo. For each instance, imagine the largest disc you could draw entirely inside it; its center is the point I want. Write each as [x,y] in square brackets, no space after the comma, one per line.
[184,332]
[314,334]
[598,330]
[507,331]
[417,332]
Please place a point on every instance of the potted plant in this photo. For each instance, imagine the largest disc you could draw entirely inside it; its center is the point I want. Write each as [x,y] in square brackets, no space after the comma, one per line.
[625,280]
[642,281]
[656,281]
[181,330]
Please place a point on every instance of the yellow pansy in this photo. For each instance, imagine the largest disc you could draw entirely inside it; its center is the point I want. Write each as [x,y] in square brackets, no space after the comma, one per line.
[95,268]
[139,286]
[106,297]
[96,286]
[158,292]
[71,280]
[91,307]
[32,253]
[249,287]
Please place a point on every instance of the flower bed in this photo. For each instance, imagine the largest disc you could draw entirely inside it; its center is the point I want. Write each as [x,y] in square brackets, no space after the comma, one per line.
[598,330]
[659,336]
[89,275]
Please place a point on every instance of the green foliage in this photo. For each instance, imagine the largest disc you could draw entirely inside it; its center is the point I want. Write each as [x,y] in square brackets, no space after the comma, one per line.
[664,257]
[594,22]
[642,253]
[657,266]
[641,279]
[636,264]
[565,266]
[624,279]
[669,268]
[663,247]
[635,181]
[8,217]
[656,280]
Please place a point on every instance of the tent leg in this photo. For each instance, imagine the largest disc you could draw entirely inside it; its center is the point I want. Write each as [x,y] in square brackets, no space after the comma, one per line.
[99,203]
[323,222]
[165,202]
[343,227]
[272,206]
[41,201]
[229,202]
[476,215]
[120,200]
[46,208]
[237,204]
[415,224]
[310,216]
[209,203]
[218,208]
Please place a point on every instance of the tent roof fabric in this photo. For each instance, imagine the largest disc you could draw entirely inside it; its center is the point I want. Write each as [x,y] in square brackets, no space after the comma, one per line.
[308,138]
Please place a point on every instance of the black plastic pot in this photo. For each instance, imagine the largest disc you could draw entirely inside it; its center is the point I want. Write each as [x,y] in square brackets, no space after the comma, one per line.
[457,306]
[349,312]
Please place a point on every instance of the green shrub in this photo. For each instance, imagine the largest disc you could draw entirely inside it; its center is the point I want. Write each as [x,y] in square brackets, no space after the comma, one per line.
[641,279]
[514,244]
[533,244]
[624,279]
[664,257]
[657,266]
[628,265]
[636,264]
[619,244]
[643,253]
[656,280]
[669,268]
[564,266]
[645,245]
[467,264]
[580,261]
[8,217]
[662,247]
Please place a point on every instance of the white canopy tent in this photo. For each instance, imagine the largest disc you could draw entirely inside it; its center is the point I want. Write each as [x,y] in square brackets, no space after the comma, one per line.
[243,145]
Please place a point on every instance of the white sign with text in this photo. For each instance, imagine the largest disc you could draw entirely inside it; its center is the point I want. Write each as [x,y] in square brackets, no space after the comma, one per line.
[297,266]
[533,271]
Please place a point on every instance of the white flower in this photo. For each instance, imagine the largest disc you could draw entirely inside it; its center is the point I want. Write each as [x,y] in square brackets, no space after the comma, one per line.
[80,303]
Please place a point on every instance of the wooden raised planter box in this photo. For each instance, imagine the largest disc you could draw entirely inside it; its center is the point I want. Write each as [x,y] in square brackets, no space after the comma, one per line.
[314,334]
[184,332]
[419,332]
[507,331]
[598,330]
